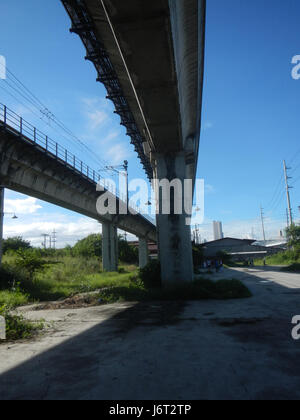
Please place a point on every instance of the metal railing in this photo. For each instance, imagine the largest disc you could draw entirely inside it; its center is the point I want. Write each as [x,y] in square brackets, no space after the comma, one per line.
[29,133]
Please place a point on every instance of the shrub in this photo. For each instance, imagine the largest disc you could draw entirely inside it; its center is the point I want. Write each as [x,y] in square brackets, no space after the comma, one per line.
[128,253]
[13,298]
[14,244]
[9,277]
[198,255]
[90,246]
[151,275]
[224,257]
[31,262]
[293,234]
[17,327]
[232,289]
[202,289]
[6,278]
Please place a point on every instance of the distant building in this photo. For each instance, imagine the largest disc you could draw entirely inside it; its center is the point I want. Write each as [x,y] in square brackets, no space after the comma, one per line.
[152,248]
[239,249]
[218,231]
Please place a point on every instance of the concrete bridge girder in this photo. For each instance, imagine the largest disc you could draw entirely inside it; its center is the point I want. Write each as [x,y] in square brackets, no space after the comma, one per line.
[42,178]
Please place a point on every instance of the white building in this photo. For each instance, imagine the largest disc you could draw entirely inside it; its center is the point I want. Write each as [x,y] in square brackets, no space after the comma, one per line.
[218,231]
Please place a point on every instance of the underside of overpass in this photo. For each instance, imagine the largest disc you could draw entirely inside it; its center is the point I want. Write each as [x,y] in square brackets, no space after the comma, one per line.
[150,57]
[27,168]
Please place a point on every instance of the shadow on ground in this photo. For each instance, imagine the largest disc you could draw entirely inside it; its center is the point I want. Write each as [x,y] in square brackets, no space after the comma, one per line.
[238,349]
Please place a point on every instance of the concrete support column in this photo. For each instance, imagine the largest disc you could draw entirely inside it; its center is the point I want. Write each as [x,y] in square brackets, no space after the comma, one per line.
[174,231]
[110,254]
[143,252]
[1,222]
[114,248]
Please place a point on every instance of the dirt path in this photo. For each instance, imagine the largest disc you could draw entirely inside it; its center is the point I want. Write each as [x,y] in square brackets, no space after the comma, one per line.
[238,349]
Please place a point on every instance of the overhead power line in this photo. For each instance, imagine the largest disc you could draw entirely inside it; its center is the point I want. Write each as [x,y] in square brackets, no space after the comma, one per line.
[14,87]
[277,193]
[288,191]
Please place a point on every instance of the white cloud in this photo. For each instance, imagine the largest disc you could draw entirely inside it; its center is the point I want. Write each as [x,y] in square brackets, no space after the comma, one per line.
[96,118]
[90,102]
[112,135]
[22,206]
[102,133]
[66,232]
[209,189]
[97,113]
[118,153]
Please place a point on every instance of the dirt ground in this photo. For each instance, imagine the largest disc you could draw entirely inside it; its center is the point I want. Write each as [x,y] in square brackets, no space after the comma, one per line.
[238,349]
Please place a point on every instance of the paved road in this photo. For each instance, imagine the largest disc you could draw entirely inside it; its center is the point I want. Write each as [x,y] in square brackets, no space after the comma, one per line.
[237,350]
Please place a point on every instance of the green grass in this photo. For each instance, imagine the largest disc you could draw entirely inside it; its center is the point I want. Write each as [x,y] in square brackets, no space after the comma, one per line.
[281,259]
[46,288]
[63,278]
[13,298]
[17,327]
[200,290]
[71,276]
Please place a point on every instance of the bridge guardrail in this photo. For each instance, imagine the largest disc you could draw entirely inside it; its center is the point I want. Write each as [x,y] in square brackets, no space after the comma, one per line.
[28,132]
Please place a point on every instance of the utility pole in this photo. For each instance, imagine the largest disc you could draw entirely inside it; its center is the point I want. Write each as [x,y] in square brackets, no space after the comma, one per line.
[54,240]
[117,170]
[287,218]
[263,222]
[45,236]
[197,235]
[286,177]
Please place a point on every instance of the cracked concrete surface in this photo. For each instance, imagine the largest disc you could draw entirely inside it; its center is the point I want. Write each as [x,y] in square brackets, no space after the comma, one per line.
[238,349]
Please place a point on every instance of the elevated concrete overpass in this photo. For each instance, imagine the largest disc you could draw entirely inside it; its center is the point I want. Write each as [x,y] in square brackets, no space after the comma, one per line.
[150,57]
[32,164]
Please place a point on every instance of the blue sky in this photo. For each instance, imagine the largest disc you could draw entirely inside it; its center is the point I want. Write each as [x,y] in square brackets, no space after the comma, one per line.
[250,110]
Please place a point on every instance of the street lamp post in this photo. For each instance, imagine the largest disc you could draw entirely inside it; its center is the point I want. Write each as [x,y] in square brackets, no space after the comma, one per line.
[117,170]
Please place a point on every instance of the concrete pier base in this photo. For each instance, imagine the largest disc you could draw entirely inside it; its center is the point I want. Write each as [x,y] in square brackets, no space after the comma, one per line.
[143,252]
[174,232]
[1,221]
[110,255]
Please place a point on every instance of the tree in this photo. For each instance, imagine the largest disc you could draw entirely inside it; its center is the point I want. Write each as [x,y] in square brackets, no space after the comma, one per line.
[293,235]
[15,244]
[31,262]
[90,246]
[128,253]
[198,255]
[224,257]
